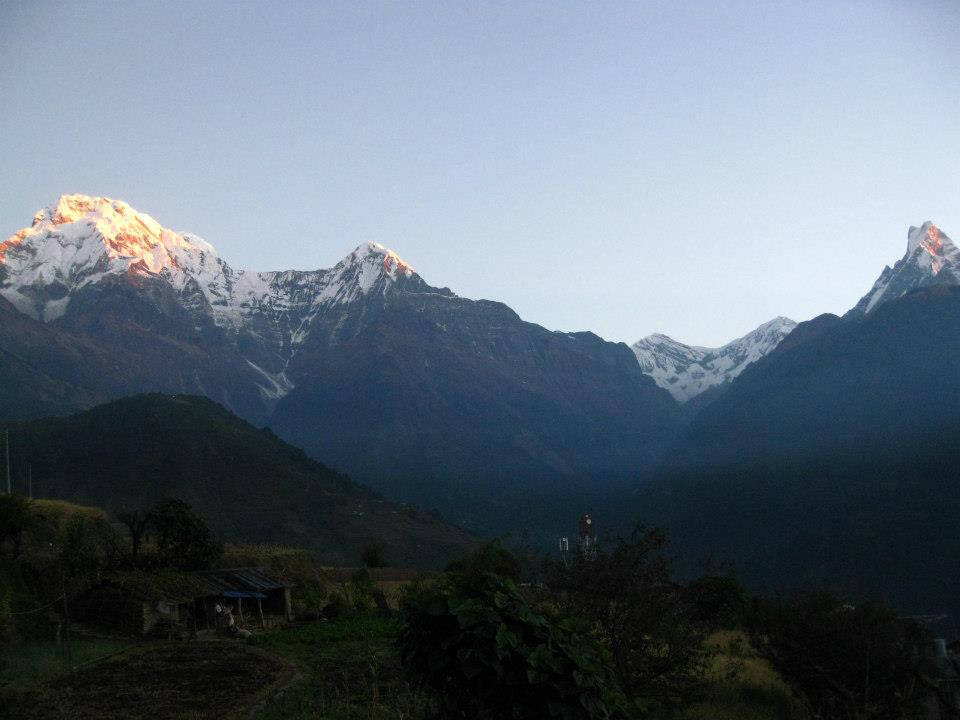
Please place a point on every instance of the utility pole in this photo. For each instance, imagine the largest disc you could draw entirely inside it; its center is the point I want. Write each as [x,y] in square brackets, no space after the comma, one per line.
[30,480]
[6,436]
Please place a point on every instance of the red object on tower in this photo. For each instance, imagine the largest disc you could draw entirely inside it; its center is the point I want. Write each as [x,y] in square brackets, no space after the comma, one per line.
[586,527]
[587,539]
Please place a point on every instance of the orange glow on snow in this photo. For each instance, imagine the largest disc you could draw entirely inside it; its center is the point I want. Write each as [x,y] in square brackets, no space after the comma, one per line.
[933,245]
[391,262]
[126,233]
[11,242]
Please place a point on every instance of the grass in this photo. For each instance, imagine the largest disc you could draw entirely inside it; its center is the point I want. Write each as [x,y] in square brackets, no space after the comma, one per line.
[35,661]
[740,684]
[350,670]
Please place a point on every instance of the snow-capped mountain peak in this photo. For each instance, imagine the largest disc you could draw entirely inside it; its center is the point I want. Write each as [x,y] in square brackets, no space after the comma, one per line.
[364,269]
[80,239]
[687,370]
[931,258]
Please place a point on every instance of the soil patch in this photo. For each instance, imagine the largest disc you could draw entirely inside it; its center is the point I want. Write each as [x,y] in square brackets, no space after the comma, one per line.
[196,679]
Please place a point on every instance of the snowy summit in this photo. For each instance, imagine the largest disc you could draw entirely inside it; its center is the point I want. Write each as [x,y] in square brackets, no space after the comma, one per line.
[931,258]
[688,370]
[81,240]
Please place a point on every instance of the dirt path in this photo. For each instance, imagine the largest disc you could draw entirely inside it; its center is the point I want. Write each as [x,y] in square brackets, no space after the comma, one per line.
[195,679]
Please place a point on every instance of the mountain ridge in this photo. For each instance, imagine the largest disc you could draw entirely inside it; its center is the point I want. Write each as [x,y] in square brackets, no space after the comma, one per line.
[686,371]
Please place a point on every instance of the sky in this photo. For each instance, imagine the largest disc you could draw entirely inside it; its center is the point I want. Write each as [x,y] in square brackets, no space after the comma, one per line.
[691,168]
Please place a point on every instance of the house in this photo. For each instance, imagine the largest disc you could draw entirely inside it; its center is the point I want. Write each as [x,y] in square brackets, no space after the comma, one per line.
[141,603]
[251,592]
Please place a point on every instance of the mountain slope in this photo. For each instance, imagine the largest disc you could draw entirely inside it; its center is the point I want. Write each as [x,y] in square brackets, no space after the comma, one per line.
[247,483]
[686,371]
[886,376]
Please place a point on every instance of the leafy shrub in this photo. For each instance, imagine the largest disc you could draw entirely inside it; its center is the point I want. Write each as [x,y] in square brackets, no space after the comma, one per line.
[473,639]
[491,558]
[647,620]
[843,661]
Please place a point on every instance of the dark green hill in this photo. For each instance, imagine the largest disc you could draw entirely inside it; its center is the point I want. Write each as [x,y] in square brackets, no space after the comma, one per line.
[248,484]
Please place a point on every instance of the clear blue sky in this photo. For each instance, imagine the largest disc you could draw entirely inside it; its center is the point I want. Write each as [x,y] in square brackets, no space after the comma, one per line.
[693,168]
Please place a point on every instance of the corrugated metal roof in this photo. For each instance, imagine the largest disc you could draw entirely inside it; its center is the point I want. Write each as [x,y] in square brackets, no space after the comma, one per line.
[179,586]
[238,580]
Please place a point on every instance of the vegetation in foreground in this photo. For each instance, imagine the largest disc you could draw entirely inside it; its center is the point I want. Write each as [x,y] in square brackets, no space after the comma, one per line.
[607,635]
[199,679]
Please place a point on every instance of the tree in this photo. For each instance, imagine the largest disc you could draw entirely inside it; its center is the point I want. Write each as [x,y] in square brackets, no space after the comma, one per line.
[183,538]
[136,522]
[645,618]
[844,662]
[17,516]
[87,545]
[475,641]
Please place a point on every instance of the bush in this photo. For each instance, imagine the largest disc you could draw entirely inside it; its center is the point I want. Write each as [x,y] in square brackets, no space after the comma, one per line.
[490,558]
[472,638]
[648,621]
[843,661]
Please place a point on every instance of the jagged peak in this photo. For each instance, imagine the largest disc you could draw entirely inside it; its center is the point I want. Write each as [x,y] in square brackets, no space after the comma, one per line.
[657,338]
[778,321]
[375,253]
[81,238]
[933,243]
[916,235]
[931,257]
[124,231]
[687,370]
[360,271]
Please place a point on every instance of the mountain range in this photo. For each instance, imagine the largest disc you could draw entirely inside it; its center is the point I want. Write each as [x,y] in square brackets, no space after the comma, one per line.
[686,371]
[764,450]
[405,386]
[832,460]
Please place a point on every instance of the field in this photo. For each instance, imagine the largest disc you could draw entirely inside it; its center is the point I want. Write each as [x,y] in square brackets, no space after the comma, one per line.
[343,669]
[349,669]
[159,680]
[37,660]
